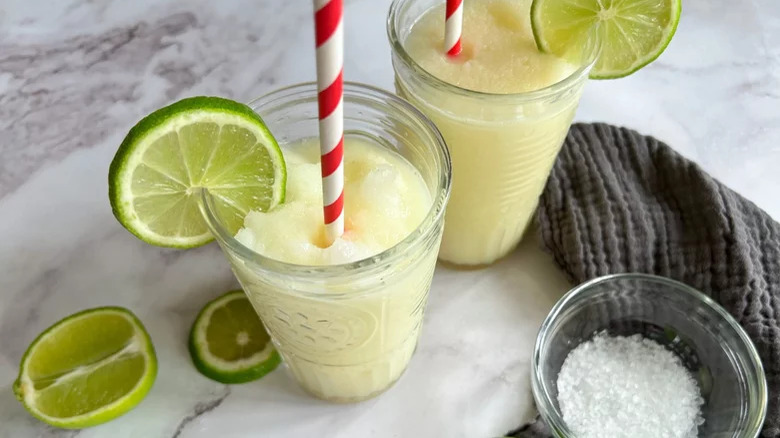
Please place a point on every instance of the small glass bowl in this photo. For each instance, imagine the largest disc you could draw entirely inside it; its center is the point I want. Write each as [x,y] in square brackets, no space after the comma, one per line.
[711,344]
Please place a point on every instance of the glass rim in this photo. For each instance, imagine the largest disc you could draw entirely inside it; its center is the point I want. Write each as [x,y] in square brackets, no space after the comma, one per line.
[307,92]
[397,47]
[546,405]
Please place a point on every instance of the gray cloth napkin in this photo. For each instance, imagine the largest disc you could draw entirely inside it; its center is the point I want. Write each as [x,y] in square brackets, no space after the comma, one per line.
[618,201]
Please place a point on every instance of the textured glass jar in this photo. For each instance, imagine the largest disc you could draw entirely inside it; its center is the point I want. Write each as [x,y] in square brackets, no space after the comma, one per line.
[711,344]
[347,332]
[503,145]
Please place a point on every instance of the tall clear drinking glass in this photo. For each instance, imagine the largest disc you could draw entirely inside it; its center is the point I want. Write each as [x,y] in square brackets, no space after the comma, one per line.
[347,332]
[503,145]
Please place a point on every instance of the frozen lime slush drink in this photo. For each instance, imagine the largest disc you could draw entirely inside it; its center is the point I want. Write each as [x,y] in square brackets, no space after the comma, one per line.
[502,106]
[344,317]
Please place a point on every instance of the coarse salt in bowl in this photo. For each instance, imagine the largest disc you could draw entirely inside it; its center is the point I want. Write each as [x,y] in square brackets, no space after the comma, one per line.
[709,342]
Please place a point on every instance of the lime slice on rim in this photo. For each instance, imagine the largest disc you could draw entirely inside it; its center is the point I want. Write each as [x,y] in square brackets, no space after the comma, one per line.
[199,142]
[631,33]
[228,342]
[86,369]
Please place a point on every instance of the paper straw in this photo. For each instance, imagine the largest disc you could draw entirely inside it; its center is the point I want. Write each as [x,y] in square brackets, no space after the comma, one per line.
[329,34]
[453,25]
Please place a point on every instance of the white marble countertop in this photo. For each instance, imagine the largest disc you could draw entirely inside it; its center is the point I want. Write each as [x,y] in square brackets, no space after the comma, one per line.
[76,74]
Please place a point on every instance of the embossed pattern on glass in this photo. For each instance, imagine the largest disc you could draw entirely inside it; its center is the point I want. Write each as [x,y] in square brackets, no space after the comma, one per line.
[347,332]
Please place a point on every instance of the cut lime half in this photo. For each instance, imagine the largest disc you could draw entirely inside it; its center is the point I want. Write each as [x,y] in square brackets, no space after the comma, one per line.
[228,342]
[199,142]
[87,369]
[630,33]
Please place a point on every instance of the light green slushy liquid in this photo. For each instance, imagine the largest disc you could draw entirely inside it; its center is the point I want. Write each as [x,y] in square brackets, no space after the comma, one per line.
[502,150]
[346,343]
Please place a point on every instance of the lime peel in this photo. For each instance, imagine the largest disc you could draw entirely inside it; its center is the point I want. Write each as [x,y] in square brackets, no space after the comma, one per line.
[31,397]
[630,33]
[236,332]
[198,142]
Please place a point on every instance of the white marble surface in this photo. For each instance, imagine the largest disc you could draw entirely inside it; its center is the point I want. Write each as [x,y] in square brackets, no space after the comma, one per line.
[76,74]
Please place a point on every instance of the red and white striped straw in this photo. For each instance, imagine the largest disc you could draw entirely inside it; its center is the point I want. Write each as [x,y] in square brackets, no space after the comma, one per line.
[329,34]
[453,26]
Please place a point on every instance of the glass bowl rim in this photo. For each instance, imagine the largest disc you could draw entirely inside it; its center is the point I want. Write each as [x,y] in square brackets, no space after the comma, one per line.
[546,405]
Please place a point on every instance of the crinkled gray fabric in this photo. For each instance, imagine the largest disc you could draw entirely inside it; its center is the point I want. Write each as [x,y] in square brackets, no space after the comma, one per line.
[618,201]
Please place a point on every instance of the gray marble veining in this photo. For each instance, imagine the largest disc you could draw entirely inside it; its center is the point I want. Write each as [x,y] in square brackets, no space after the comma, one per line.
[76,74]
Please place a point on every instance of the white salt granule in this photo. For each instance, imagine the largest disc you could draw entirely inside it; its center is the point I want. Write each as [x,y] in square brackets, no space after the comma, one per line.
[628,387]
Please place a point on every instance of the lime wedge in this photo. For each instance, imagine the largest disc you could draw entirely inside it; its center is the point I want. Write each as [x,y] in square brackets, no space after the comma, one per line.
[86,369]
[631,33]
[228,342]
[197,142]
